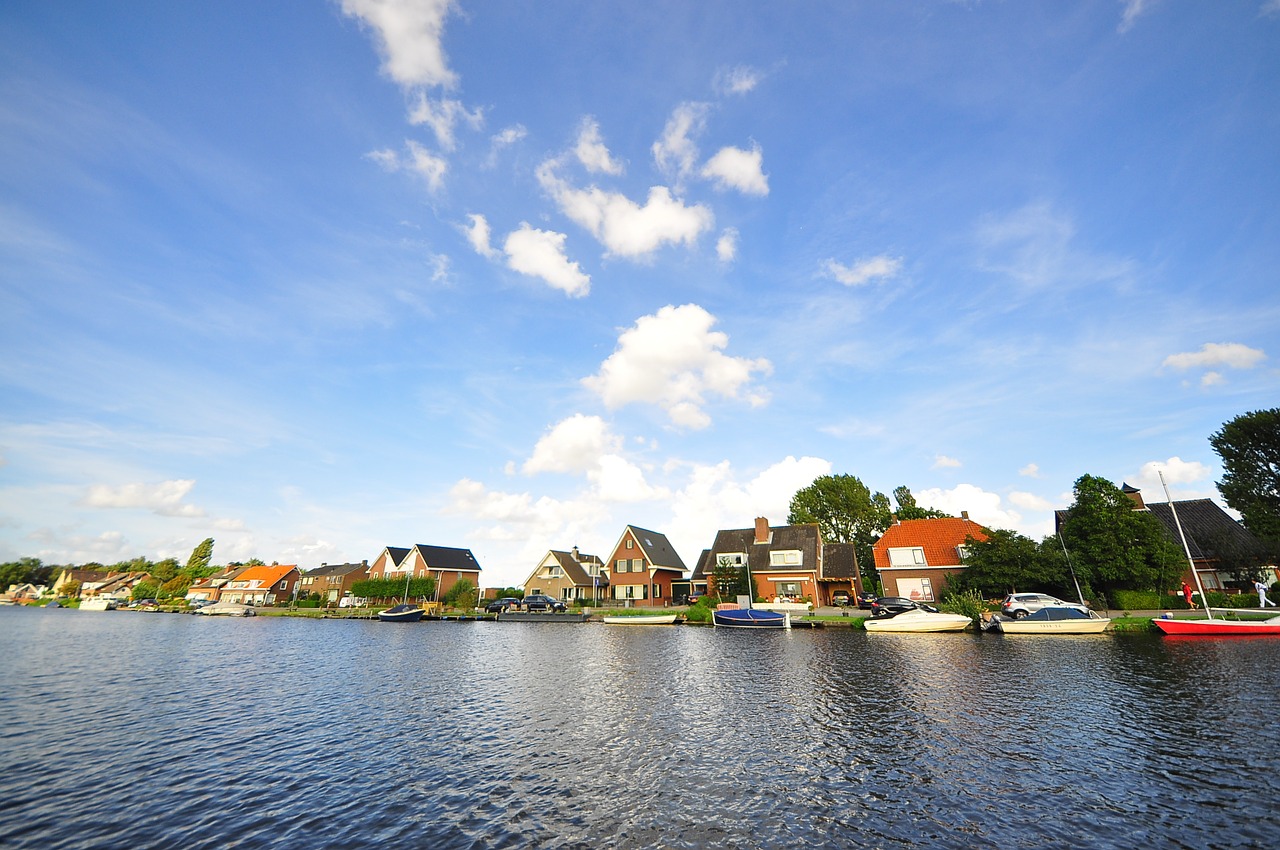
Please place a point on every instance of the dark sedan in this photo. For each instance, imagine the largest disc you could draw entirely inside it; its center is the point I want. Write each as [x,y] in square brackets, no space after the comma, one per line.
[866,600]
[542,602]
[887,606]
[497,606]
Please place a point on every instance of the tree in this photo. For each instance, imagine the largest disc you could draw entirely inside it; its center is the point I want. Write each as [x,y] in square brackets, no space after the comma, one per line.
[908,509]
[846,511]
[201,556]
[22,571]
[462,595]
[1249,446]
[725,577]
[1007,562]
[1113,546]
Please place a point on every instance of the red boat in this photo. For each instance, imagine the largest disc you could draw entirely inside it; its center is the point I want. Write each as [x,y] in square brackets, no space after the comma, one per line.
[1218,627]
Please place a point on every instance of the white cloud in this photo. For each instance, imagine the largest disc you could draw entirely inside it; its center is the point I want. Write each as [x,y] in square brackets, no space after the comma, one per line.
[1133,9]
[625,228]
[1270,7]
[1176,471]
[1211,379]
[734,168]
[740,79]
[674,359]
[591,150]
[1035,247]
[1030,501]
[1031,470]
[409,34]
[164,498]
[478,234]
[540,253]
[575,444]
[727,245]
[863,271]
[1215,354]
[675,152]
[443,116]
[983,507]
[944,462]
[419,161]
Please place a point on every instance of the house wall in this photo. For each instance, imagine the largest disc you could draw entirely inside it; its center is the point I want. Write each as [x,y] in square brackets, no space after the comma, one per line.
[906,582]
[767,583]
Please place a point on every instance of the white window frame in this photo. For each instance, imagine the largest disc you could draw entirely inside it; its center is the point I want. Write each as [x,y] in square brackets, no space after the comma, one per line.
[915,553]
[786,558]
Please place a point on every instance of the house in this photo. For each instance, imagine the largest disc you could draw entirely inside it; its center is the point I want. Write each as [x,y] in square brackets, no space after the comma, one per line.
[914,557]
[85,579]
[332,581]
[210,588]
[445,564]
[788,562]
[22,594]
[262,585]
[1212,535]
[642,567]
[569,576]
[119,586]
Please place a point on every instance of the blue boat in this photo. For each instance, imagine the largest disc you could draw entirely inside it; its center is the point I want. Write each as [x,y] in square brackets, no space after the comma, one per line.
[751,618]
[401,614]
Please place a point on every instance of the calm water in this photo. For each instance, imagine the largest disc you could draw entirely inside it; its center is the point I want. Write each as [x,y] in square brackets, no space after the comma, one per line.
[147,730]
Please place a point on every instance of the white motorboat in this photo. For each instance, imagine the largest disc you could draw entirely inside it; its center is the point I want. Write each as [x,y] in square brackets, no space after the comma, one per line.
[1050,620]
[641,619]
[227,609]
[919,620]
[98,603]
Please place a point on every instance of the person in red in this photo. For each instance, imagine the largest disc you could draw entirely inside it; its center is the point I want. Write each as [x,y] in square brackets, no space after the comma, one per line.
[1186,594]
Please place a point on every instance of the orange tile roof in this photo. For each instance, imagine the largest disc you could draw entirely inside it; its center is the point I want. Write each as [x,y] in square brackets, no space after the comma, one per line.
[268,576]
[938,537]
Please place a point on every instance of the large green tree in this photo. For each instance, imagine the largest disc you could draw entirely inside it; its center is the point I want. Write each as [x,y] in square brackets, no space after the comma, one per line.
[201,557]
[846,511]
[908,509]
[1249,446]
[1007,562]
[1115,547]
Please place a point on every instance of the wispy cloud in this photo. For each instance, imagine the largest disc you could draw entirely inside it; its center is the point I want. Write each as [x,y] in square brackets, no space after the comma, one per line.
[592,152]
[409,37]
[944,462]
[863,271]
[1036,247]
[739,79]
[164,498]
[1213,354]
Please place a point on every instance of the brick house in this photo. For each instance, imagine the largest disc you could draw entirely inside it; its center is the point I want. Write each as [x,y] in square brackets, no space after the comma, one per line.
[264,585]
[914,557]
[642,567]
[569,576]
[209,588]
[443,563]
[332,581]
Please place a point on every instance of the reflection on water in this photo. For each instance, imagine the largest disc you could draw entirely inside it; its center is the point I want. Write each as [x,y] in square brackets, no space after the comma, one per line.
[148,730]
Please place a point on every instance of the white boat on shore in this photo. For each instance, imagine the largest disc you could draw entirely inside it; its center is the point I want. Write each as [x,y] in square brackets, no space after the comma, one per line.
[919,620]
[1050,620]
[641,619]
[98,603]
[227,609]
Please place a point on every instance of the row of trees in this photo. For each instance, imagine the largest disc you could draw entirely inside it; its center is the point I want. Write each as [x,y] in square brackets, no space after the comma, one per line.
[1105,545]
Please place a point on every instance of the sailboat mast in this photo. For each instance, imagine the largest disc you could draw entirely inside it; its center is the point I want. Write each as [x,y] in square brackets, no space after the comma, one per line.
[1204,600]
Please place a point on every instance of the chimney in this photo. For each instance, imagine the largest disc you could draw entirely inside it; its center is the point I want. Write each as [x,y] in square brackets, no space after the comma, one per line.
[762,530]
[964,515]
[574,553]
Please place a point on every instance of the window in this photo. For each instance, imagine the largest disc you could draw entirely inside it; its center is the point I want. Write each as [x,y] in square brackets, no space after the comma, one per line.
[637,565]
[789,588]
[784,558]
[907,557]
[962,552]
[916,589]
[732,559]
[629,591]
[621,566]
[553,571]
[630,543]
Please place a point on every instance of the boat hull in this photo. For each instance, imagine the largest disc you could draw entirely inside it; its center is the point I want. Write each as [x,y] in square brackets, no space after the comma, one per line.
[1218,627]
[97,603]
[227,609]
[642,620]
[751,618]
[401,614]
[919,621]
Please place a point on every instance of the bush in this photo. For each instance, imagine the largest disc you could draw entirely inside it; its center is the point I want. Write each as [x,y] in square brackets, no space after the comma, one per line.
[700,611]
[1145,600]
[968,603]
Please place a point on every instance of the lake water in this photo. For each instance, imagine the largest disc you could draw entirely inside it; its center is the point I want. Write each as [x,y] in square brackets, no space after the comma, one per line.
[148,730]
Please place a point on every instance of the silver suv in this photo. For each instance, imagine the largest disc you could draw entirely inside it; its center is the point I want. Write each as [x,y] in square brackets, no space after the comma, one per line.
[1021,604]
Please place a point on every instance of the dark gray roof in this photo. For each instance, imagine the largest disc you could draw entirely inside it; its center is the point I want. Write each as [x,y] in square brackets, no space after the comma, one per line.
[574,569]
[802,537]
[447,558]
[657,549]
[839,561]
[335,570]
[703,566]
[1207,526]
[397,554]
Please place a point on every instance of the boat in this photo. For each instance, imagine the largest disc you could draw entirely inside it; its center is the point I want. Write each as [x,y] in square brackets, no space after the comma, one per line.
[98,603]
[1210,625]
[406,611]
[751,618]
[1217,626]
[641,620]
[402,613]
[227,609]
[1050,620]
[919,620]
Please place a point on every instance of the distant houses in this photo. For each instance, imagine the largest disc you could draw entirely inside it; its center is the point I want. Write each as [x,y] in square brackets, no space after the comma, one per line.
[446,564]
[643,567]
[332,582]
[569,576]
[263,585]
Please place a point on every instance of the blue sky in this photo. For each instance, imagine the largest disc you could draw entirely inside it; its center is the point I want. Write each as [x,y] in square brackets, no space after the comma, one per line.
[315,277]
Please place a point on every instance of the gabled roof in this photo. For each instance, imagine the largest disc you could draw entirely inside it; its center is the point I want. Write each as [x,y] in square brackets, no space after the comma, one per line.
[839,561]
[335,570]
[1209,529]
[938,536]
[657,549]
[266,576]
[804,538]
[446,558]
[573,570]
[397,554]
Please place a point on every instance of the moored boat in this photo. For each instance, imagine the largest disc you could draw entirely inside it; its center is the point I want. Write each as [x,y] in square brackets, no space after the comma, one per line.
[919,620]
[751,618]
[98,603]
[1050,620]
[227,609]
[403,613]
[641,620]
[1218,626]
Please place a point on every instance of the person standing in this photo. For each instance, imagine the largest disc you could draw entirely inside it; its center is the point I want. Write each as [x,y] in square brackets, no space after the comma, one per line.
[1186,594]
[1263,601]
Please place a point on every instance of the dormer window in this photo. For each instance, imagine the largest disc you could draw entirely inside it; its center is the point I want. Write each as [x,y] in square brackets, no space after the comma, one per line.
[785,558]
[907,556]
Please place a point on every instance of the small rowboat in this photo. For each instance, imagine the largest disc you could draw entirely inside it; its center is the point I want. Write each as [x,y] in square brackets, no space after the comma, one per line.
[1218,626]
[401,614]
[641,620]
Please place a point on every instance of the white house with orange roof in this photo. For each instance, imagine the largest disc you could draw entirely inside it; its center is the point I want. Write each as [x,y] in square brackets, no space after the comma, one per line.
[914,557]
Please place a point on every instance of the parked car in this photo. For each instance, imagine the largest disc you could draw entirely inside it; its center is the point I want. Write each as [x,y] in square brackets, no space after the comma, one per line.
[840,598]
[887,606]
[1021,604]
[692,598]
[542,602]
[866,600]
[497,606]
